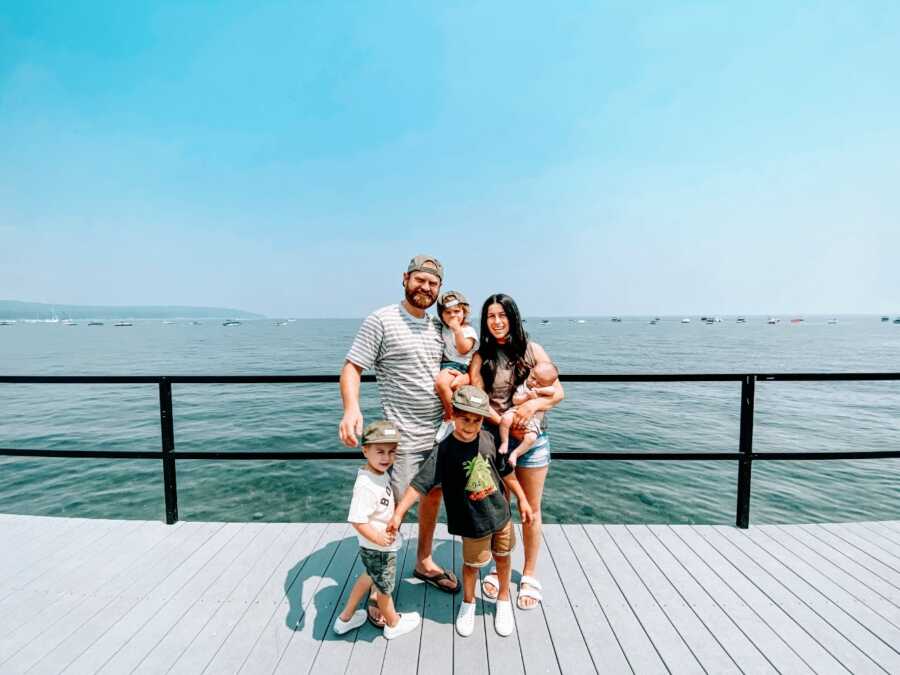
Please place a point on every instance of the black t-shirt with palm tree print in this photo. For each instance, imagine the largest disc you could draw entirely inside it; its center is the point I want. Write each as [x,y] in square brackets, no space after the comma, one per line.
[471,477]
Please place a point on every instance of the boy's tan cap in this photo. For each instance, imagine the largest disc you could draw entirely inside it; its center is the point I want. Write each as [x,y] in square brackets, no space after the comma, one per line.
[381,431]
[426,263]
[471,399]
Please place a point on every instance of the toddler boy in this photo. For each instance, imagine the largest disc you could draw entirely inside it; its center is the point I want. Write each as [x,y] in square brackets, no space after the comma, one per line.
[370,512]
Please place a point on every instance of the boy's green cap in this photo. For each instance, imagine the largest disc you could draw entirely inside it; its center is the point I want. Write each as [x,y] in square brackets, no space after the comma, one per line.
[381,431]
[451,299]
[471,399]
[426,263]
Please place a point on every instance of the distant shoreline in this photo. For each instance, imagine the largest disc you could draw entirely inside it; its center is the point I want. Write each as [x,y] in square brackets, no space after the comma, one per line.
[39,311]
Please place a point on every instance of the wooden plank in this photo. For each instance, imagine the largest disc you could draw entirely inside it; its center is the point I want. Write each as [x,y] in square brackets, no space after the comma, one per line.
[739,608]
[84,586]
[881,529]
[402,655]
[639,649]
[165,633]
[699,639]
[71,639]
[880,551]
[848,549]
[438,617]
[34,540]
[572,653]
[315,625]
[668,642]
[205,625]
[369,645]
[150,584]
[815,580]
[85,612]
[504,654]
[271,641]
[228,641]
[748,656]
[801,541]
[781,622]
[884,543]
[600,640]
[822,620]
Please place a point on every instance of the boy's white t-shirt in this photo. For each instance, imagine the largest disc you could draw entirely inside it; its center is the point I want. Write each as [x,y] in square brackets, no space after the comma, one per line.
[451,353]
[373,503]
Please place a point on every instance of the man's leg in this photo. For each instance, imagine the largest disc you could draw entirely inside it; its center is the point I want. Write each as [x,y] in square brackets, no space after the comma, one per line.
[429,507]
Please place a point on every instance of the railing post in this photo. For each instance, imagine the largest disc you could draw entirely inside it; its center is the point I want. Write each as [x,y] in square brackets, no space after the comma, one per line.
[748,396]
[167,425]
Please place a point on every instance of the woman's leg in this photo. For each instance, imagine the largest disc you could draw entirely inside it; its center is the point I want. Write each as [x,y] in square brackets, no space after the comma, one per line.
[532,482]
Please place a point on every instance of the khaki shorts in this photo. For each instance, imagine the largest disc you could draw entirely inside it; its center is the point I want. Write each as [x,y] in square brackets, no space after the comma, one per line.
[477,552]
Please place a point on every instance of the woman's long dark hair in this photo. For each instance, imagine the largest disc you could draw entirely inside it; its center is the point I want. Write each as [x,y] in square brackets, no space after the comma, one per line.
[514,348]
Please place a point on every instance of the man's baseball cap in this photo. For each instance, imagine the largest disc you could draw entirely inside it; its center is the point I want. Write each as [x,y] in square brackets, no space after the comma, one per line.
[426,263]
[471,399]
[451,299]
[381,431]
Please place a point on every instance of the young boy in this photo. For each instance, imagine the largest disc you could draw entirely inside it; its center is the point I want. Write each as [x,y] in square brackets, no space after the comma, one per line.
[539,383]
[370,511]
[466,466]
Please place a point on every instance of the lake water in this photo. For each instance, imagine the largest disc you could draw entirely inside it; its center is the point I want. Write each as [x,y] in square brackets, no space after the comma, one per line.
[812,416]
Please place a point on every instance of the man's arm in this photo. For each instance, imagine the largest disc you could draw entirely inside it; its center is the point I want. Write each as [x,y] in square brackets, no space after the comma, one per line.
[351,424]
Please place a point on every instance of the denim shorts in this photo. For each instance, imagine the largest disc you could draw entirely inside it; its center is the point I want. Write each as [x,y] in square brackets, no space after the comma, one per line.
[537,457]
[455,365]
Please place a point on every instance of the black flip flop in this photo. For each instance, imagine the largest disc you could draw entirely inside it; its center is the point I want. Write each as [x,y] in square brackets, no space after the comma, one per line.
[436,579]
[378,624]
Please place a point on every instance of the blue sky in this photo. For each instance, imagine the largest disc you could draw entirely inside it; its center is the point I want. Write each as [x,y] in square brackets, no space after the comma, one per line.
[589,158]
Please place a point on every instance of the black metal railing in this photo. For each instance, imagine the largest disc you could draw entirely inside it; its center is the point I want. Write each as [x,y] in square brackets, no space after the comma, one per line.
[168,455]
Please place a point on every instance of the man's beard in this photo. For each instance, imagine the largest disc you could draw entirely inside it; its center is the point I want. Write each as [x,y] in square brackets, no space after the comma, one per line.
[419,298]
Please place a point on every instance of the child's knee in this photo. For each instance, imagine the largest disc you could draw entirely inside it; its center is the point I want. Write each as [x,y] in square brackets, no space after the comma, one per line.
[476,552]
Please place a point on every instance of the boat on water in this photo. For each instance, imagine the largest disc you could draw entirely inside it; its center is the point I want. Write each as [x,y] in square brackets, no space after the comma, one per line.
[95,323]
[123,323]
[6,323]
[545,321]
[168,323]
[896,320]
[231,322]
[69,322]
[741,319]
[772,321]
[616,319]
[685,320]
[653,322]
[796,320]
[196,323]
[885,318]
[832,322]
[280,323]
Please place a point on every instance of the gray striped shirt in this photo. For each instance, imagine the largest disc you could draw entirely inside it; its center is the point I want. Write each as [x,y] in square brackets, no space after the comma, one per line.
[406,354]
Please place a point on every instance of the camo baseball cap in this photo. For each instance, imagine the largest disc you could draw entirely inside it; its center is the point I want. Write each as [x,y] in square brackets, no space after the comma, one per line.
[381,431]
[426,263]
[451,299]
[471,399]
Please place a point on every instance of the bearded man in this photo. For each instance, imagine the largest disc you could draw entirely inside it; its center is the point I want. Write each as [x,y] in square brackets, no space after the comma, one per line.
[403,344]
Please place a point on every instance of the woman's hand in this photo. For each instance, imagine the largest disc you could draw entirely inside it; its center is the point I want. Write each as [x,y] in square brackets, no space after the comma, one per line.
[523,414]
[525,511]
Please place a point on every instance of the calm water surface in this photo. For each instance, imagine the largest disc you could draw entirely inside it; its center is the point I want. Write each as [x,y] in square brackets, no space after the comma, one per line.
[652,417]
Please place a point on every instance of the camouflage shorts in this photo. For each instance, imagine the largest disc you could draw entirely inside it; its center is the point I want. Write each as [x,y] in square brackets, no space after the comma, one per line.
[381,566]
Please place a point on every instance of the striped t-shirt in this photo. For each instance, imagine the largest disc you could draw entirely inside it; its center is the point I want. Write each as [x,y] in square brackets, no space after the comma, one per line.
[405,352]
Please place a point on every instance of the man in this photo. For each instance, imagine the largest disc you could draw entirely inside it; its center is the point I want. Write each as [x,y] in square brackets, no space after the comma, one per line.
[403,344]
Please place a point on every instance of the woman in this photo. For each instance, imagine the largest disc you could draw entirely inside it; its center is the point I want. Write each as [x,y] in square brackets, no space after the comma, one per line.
[504,358]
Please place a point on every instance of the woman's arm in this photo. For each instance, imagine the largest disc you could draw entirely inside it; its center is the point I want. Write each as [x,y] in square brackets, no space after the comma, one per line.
[478,381]
[526,411]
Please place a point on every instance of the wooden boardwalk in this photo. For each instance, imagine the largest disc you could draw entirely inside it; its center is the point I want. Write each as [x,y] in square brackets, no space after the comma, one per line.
[87,596]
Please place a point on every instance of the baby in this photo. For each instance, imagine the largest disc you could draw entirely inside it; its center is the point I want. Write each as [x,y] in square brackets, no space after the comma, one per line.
[460,343]
[539,383]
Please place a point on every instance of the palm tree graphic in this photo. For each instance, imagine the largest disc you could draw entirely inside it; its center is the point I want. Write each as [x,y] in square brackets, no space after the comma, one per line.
[478,473]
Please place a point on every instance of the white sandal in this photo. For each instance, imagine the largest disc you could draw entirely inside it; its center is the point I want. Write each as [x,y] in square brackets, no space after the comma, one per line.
[494,580]
[533,591]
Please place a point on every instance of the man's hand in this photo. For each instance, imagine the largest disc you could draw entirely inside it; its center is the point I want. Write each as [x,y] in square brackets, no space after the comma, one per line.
[526,512]
[351,426]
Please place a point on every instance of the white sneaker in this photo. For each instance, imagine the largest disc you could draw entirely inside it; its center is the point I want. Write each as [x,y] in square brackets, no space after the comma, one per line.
[357,620]
[443,431]
[503,618]
[408,621]
[465,620]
